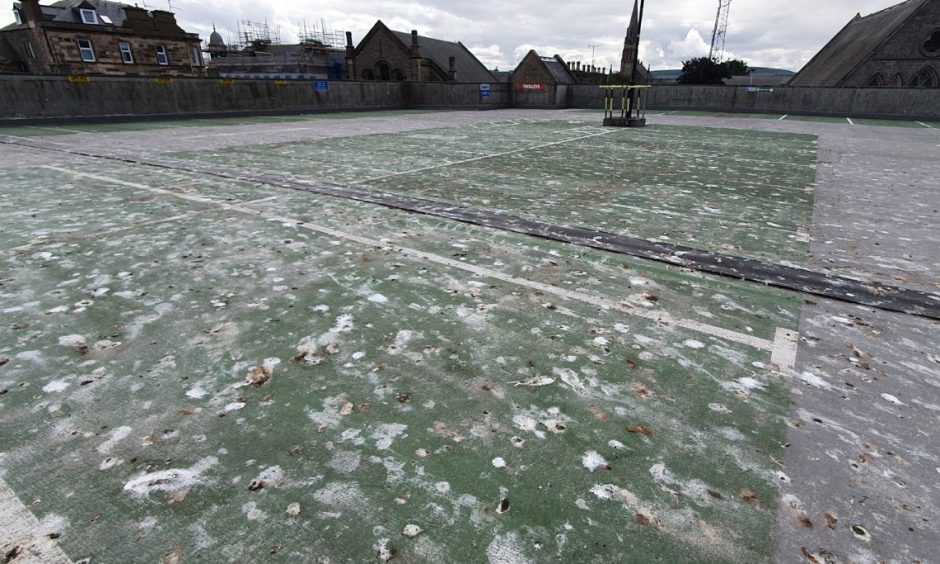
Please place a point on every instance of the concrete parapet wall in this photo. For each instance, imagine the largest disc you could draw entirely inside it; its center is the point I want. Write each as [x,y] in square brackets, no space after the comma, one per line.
[55,97]
[843,102]
[29,99]
[445,95]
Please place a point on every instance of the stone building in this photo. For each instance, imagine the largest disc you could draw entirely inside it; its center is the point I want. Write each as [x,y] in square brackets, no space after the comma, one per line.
[97,37]
[897,47]
[384,54]
[537,73]
[305,60]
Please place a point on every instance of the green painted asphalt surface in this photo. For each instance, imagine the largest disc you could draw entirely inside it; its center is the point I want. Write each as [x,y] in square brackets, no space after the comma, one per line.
[745,193]
[45,130]
[509,397]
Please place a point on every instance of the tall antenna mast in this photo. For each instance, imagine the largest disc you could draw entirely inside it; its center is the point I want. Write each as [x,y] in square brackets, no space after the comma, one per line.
[717,50]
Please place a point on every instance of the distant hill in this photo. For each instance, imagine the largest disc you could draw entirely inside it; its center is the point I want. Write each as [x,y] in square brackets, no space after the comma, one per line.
[674,74]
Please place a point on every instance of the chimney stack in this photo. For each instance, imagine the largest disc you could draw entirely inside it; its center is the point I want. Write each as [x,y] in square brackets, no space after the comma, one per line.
[350,57]
[31,12]
[417,72]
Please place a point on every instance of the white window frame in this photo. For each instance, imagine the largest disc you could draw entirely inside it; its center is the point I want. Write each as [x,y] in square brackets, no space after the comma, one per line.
[162,58]
[127,54]
[18,16]
[28,46]
[89,16]
[87,53]
[197,57]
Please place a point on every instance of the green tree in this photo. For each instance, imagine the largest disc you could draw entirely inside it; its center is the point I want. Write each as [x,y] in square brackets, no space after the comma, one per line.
[703,70]
[737,67]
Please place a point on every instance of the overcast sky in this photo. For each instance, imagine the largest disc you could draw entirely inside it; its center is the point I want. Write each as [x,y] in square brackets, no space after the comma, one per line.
[782,34]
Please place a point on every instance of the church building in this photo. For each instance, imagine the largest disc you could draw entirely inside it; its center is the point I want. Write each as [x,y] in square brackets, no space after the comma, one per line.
[897,47]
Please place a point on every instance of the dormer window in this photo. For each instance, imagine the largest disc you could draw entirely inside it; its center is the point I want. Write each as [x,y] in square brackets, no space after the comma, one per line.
[19,18]
[89,16]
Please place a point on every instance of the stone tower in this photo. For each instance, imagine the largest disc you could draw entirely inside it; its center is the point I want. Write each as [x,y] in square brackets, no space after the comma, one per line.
[630,45]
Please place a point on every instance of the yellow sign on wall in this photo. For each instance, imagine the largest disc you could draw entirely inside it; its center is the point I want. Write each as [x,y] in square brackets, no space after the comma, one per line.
[79,79]
[164,81]
[227,82]
[280,83]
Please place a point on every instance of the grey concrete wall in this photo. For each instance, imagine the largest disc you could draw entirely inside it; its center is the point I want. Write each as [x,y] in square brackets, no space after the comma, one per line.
[443,95]
[40,98]
[47,97]
[37,98]
[55,97]
[842,102]
[554,97]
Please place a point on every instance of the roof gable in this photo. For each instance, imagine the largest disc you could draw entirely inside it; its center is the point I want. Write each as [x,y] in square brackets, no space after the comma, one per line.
[558,68]
[555,67]
[439,52]
[380,26]
[854,44]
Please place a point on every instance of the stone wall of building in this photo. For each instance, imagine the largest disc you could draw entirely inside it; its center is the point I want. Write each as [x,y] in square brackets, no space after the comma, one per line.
[532,71]
[905,55]
[180,55]
[383,47]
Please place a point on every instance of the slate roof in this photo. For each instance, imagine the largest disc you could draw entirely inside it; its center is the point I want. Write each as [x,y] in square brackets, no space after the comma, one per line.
[559,70]
[854,45]
[469,68]
[67,11]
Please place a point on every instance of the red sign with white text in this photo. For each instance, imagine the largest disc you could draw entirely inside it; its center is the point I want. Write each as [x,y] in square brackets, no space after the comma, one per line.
[524,87]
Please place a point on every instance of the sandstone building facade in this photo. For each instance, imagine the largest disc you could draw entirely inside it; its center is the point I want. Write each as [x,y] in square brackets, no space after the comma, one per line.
[98,37]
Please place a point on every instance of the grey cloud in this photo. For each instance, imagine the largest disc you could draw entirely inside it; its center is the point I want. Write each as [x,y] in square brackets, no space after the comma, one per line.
[761,32]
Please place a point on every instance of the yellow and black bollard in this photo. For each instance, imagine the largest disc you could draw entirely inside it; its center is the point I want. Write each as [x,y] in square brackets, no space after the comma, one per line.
[632,110]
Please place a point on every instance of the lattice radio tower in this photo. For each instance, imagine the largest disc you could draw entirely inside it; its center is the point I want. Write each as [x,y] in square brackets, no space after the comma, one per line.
[721,31]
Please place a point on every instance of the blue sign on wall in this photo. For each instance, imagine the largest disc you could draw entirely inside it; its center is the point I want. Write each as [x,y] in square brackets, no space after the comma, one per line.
[321,86]
[484,90]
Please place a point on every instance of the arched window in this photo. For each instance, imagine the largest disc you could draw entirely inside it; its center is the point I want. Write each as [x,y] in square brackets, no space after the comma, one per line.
[877,80]
[368,75]
[931,46]
[398,75]
[384,72]
[926,78]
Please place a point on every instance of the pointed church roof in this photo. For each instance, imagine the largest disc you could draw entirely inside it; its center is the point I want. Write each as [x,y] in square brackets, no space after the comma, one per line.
[855,44]
[633,28]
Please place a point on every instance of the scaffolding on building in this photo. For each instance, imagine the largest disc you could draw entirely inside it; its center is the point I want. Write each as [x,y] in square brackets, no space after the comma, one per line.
[320,36]
[257,35]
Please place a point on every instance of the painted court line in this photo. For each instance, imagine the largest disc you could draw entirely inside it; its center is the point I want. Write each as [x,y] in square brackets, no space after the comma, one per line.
[485,157]
[603,303]
[925,124]
[255,132]
[783,117]
[784,349]
[118,229]
[94,234]
[22,537]
[639,150]
[788,277]
[850,121]
[57,129]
